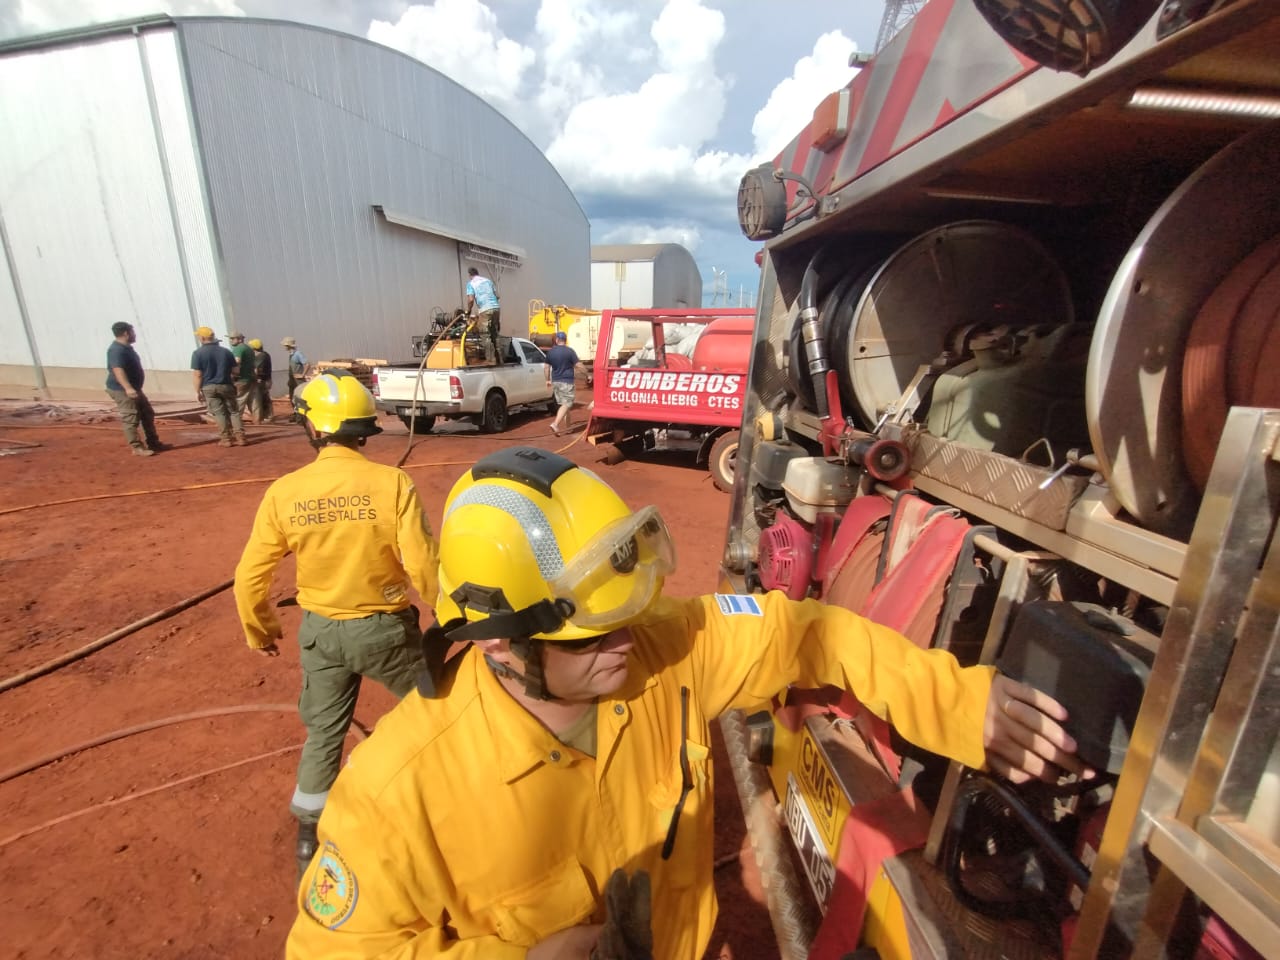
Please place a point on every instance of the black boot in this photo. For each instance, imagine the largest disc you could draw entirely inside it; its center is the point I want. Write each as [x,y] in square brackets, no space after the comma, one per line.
[307,844]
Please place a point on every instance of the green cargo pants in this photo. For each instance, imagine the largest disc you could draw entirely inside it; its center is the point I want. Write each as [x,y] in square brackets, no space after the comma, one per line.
[335,655]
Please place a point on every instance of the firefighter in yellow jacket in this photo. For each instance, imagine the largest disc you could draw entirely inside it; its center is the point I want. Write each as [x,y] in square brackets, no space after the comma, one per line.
[483,819]
[360,536]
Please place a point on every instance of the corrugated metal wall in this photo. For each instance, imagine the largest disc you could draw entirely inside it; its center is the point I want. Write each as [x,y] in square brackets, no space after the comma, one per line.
[302,131]
[676,279]
[91,227]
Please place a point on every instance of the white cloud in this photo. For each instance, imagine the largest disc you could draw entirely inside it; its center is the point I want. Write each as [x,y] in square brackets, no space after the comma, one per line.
[461,39]
[791,104]
[40,16]
[652,138]
[687,234]
[579,40]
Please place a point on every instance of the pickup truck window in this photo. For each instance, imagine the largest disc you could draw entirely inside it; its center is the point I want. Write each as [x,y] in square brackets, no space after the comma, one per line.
[532,354]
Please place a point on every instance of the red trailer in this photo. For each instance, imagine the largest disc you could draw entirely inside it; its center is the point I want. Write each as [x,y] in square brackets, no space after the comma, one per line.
[682,391]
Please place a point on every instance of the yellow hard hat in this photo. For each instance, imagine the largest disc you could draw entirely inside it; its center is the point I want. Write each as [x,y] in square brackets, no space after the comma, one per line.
[204,332]
[338,404]
[255,343]
[532,545]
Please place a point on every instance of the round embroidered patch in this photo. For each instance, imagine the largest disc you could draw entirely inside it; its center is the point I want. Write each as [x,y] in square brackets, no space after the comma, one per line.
[332,896]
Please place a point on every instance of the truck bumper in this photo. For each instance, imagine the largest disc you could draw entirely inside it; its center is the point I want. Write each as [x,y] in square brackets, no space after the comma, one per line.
[401,408]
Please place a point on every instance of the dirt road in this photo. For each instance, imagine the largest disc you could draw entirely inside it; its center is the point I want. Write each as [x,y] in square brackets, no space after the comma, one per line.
[202,867]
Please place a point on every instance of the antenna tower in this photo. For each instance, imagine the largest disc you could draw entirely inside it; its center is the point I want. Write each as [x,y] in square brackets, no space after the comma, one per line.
[719,287]
[897,14]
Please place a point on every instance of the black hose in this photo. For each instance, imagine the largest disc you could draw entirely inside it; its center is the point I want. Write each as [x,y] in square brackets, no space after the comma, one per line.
[815,347]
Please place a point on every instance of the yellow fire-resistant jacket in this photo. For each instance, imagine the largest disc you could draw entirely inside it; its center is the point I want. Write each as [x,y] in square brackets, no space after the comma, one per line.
[463,829]
[356,528]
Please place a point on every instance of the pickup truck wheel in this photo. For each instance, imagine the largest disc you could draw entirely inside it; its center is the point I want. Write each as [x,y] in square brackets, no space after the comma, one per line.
[419,425]
[722,459]
[495,413]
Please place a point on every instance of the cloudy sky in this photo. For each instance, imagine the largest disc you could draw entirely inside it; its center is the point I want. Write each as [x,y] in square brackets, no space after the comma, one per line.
[650,109]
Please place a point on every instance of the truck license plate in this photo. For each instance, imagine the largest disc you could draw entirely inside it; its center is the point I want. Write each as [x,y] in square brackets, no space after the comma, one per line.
[813,852]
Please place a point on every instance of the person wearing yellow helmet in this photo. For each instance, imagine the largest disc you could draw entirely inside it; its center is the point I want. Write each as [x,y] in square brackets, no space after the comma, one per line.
[489,812]
[360,539]
[213,370]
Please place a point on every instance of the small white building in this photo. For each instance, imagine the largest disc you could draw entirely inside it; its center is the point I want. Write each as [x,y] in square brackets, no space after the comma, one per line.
[640,275]
[263,176]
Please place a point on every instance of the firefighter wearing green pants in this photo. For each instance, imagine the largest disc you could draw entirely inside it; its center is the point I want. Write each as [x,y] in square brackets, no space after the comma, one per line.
[360,538]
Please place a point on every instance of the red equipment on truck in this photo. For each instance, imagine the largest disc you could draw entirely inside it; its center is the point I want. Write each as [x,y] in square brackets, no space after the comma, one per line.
[682,391]
[1014,393]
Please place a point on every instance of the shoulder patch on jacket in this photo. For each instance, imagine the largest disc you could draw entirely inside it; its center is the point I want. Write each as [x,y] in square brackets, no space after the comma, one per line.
[731,603]
[331,898]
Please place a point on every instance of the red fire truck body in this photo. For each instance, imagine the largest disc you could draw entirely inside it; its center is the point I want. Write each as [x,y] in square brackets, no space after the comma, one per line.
[1012,393]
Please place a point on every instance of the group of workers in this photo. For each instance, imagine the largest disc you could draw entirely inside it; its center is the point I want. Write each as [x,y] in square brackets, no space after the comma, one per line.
[231,382]
[544,786]
[235,382]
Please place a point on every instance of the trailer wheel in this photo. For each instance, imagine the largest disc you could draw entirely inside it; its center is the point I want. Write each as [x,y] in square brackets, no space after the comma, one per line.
[722,459]
[494,419]
[419,425]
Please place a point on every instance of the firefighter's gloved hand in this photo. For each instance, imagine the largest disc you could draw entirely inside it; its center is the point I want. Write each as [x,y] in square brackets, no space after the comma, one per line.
[627,933]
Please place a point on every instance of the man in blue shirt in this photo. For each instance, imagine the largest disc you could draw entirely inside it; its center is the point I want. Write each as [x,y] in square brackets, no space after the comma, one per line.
[124,387]
[213,369]
[297,371]
[564,365]
[482,298]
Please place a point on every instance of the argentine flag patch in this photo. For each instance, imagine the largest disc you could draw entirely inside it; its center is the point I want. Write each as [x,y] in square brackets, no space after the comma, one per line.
[731,603]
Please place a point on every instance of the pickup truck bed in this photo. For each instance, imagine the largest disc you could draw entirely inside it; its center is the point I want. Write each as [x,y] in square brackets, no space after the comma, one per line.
[483,394]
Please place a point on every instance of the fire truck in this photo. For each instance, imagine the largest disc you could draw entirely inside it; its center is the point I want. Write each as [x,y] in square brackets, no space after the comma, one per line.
[1009,394]
[676,386]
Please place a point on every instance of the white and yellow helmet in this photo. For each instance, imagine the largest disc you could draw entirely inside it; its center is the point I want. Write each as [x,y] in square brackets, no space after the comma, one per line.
[533,545]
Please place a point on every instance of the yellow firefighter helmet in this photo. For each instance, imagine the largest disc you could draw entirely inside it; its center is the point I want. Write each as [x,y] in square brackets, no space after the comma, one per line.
[532,545]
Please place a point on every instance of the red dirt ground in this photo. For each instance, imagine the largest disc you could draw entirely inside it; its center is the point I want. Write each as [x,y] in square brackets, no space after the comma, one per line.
[205,869]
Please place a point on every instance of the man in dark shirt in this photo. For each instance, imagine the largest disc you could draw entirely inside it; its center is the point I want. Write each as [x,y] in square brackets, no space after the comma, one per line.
[564,364]
[124,387]
[213,370]
[260,401]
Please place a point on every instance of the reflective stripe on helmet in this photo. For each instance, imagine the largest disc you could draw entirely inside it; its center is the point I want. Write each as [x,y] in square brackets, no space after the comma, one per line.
[534,523]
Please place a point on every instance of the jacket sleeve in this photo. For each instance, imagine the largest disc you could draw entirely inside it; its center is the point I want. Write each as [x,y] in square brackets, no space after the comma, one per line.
[370,897]
[743,659]
[419,551]
[258,562]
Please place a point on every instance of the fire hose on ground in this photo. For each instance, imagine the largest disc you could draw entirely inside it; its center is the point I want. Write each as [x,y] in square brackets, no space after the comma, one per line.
[98,741]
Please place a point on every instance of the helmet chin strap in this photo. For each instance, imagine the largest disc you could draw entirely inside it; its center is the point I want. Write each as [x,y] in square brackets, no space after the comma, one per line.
[515,626]
[529,653]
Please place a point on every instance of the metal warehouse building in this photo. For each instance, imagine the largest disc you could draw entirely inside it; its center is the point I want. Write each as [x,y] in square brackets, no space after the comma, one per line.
[637,275]
[259,175]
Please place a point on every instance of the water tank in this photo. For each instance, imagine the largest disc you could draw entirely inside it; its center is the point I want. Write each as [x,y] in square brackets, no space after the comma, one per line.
[725,344]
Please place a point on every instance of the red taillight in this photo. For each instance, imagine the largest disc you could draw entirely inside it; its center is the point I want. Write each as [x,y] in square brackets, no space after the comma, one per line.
[455,388]
[375,387]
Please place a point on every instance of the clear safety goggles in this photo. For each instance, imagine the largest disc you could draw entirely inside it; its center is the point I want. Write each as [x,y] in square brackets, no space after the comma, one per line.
[618,574]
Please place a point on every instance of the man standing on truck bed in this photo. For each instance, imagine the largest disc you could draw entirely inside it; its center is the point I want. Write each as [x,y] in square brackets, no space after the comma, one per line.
[564,365]
[359,536]
[482,297]
[486,813]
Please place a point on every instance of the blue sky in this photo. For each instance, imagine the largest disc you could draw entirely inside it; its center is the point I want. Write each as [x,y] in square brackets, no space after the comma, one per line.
[650,109]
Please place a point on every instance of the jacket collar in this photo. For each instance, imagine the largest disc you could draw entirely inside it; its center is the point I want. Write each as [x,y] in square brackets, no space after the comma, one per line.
[335,451]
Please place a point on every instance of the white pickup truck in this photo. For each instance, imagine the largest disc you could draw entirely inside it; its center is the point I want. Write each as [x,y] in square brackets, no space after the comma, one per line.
[483,394]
